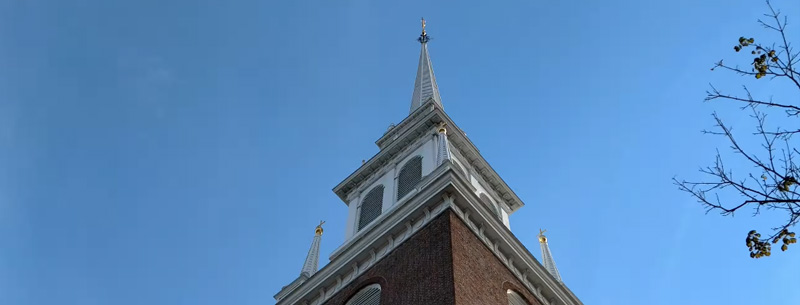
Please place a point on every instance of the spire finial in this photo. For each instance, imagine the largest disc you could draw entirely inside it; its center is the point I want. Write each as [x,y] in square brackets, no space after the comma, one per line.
[542,238]
[443,147]
[423,38]
[318,230]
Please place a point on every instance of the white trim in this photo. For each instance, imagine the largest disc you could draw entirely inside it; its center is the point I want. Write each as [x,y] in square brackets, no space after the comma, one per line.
[412,128]
[376,167]
[441,190]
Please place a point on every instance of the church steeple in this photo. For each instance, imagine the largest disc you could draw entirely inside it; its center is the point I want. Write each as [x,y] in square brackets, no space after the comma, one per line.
[425,87]
[427,185]
[312,259]
[547,258]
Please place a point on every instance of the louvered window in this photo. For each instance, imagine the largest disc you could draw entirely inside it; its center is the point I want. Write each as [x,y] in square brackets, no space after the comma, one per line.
[515,299]
[371,207]
[409,176]
[370,295]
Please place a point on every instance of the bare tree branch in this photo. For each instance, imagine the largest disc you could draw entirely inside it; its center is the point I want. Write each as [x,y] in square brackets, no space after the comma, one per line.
[774,185]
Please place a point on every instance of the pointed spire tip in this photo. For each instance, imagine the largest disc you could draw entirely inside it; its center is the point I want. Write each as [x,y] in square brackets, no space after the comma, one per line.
[311,264]
[425,88]
[547,257]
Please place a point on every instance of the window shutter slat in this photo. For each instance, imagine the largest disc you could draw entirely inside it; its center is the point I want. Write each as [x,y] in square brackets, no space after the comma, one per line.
[371,207]
[370,295]
[410,175]
[515,299]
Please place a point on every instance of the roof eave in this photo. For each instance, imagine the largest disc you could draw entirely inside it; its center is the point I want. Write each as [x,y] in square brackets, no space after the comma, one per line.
[429,111]
[387,148]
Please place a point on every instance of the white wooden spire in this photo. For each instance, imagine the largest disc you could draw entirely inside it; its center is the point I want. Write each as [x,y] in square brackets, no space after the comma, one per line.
[425,87]
[309,267]
[547,257]
[312,259]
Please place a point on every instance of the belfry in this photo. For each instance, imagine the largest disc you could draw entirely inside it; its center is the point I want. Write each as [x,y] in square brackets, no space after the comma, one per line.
[428,223]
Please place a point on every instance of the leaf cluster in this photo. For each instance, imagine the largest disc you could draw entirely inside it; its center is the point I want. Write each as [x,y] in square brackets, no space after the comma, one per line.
[786,184]
[760,248]
[761,65]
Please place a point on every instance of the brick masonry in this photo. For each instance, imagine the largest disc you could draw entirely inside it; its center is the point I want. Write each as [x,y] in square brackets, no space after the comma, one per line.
[419,271]
[480,277]
[443,263]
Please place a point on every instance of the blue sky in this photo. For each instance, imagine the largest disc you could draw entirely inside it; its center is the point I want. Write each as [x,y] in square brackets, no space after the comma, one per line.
[182,152]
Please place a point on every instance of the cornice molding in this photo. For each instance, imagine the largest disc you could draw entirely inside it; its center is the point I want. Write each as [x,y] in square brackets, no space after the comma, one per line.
[444,189]
[480,166]
[410,133]
[386,166]
[389,231]
[366,231]
[398,129]
[409,130]
[511,252]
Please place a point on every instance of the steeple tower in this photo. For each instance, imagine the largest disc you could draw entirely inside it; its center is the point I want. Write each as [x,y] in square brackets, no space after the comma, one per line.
[427,223]
[425,85]
[547,257]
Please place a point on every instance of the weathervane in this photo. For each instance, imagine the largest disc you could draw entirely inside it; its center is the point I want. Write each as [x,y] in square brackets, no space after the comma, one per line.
[318,230]
[423,38]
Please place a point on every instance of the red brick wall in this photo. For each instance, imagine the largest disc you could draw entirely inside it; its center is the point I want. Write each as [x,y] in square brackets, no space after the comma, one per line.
[443,263]
[480,277]
[419,271]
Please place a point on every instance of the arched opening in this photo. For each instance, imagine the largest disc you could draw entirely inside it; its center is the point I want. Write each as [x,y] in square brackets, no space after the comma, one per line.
[515,298]
[370,295]
[371,206]
[410,175]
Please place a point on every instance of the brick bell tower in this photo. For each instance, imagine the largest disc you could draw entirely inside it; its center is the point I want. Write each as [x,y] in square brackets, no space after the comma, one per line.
[428,223]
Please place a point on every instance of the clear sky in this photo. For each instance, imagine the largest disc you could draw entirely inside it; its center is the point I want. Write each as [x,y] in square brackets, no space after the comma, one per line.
[181,152]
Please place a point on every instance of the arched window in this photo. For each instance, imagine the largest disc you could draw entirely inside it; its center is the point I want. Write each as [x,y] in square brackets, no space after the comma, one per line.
[370,295]
[409,176]
[515,299]
[370,207]
[489,204]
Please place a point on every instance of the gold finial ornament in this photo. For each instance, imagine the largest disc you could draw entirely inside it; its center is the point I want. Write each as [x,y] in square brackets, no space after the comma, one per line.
[423,38]
[442,128]
[542,238]
[318,230]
